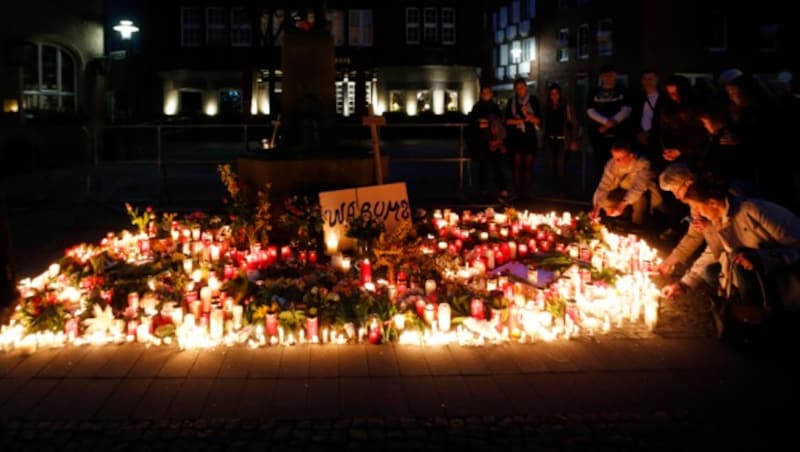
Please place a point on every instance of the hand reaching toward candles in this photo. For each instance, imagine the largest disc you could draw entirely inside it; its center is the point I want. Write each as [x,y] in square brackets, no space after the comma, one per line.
[672,290]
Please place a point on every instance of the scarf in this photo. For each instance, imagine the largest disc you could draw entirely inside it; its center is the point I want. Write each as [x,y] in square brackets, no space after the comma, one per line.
[525,101]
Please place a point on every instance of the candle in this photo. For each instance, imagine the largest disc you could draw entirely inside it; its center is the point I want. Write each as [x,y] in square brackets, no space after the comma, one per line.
[272,255]
[197,275]
[442,245]
[286,253]
[228,273]
[484,236]
[430,314]
[216,324]
[490,260]
[444,316]
[312,257]
[430,287]
[133,301]
[420,306]
[522,250]
[53,270]
[144,246]
[512,250]
[302,256]
[476,309]
[71,329]
[237,310]
[186,249]
[175,234]
[504,232]
[332,244]
[271,322]
[345,264]
[366,271]
[214,284]
[399,321]
[196,233]
[143,332]
[215,252]
[312,327]
[375,332]
[392,291]
[195,307]
[280,335]
[177,316]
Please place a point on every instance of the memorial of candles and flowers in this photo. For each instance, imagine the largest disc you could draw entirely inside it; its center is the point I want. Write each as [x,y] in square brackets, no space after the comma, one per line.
[469,278]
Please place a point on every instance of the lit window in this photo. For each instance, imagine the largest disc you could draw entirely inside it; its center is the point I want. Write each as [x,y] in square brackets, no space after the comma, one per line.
[583,41]
[424,102]
[516,52]
[345,97]
[241,29]
[451,100]
[605,41]
[191,27]
[336,18]
[430,25]
[562,41]
[360,27]
[504,55]
[412,25]
[529,49]
[397,101]
[448,26]
[49,80]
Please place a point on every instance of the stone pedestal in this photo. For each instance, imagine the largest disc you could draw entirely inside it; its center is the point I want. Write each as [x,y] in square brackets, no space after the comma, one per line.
[308,100]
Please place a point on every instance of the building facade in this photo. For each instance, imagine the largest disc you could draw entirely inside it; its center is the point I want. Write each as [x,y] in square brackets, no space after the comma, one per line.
[50,55]
[199,58]
[573,38]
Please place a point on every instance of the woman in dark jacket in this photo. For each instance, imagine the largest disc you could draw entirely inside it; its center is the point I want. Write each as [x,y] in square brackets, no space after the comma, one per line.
[560,136]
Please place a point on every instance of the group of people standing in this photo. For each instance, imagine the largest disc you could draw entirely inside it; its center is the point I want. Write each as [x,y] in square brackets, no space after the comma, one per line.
[665,155]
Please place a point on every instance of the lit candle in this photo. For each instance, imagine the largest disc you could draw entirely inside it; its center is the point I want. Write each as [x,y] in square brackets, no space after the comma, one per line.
[399,321]
[444,317]
[490,259]
[71,329]
[312,327]
[228,273]
[430,314]
[442,245]
[188,264]
[312,257]
[271,322]
[196,233]
[177,316]
[215,252]
[214,284]
[522,250]
[391,290]
[175,234]
[484,236]
[216,324]
[346,264]
[237,310]
[197,275]
[476,309]
[430,286]
[53,270]
[205,294]
[195,307]
[133,301]
[332,244]
[512,250]
[366,271]
[286,253]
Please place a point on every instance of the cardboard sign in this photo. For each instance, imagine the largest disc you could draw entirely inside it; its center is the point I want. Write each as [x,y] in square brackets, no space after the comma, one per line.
[387,203]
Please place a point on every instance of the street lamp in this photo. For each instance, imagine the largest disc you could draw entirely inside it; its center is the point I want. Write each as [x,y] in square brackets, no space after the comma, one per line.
[126,29]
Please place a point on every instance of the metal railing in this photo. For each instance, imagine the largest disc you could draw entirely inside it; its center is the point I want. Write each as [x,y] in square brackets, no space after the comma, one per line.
[160,132]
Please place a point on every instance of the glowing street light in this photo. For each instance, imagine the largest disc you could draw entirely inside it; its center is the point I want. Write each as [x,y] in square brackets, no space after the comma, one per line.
[126,29]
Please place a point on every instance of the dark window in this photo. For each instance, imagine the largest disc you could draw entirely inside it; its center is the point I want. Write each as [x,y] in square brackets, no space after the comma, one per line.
[191,102]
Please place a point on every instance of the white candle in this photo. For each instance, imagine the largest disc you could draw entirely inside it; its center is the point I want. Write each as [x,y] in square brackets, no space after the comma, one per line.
[345,264]
[332,244]
[399,321]
[430,314]
[430,286]
[215,251]
[177,316]
[512,246]
[188,264]
[197,275]
[54,270]
[484,236]
[216,324]
[206,294]
[195,233]
[490,260]
[238,310]
[444,317]
[214,284]
[175,234]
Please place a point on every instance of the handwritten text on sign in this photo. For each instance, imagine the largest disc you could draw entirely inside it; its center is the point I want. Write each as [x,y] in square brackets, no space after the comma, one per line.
[387,203]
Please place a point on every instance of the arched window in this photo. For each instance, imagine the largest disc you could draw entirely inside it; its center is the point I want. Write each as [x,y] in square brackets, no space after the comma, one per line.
[49,79]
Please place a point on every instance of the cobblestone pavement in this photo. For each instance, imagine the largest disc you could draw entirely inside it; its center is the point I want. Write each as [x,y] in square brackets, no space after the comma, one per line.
[606,431]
